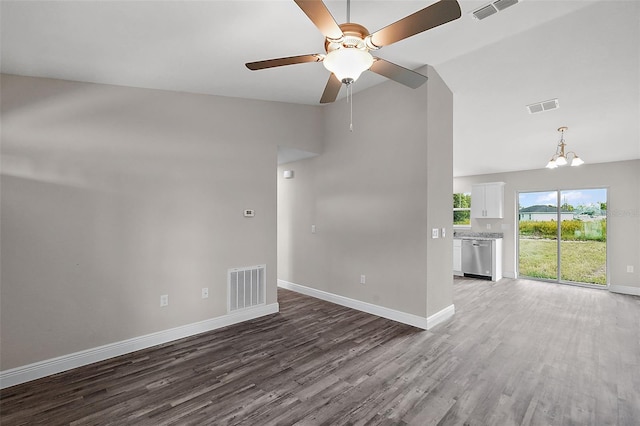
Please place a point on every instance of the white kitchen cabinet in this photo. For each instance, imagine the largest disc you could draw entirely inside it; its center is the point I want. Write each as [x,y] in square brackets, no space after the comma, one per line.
[487,200]
[457,257]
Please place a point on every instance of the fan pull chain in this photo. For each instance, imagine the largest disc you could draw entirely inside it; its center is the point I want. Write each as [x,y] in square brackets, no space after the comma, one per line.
[350,101]
[351,111]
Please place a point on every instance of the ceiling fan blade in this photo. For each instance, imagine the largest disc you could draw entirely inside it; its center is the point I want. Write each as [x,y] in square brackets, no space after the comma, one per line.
[397,73]
[331,90]
[430,17]
[280,62]
[321,17]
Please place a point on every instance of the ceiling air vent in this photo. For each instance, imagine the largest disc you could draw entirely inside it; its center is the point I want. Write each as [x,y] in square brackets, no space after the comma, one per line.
[543,106]
[503,4]
[492,8]
[484,12]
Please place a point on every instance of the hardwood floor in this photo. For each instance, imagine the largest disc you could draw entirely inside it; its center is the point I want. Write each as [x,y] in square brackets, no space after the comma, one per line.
[516,353]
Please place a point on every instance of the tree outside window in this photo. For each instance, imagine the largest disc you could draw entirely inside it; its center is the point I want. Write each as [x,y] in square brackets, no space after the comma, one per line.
[462,209]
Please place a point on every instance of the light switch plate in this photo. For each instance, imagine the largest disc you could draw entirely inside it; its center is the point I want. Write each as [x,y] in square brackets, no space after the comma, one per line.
[434,233]
[249,213]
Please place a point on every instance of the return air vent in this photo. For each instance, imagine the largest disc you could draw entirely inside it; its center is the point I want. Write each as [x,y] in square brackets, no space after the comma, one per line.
[492,8]
[543,106]
[246,287]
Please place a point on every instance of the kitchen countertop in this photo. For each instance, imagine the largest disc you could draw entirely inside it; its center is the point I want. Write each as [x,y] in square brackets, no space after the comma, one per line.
[463,235]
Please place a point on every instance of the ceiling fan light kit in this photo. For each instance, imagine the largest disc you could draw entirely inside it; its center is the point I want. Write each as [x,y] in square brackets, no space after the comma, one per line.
[348,45]
[560,158]
[348,64]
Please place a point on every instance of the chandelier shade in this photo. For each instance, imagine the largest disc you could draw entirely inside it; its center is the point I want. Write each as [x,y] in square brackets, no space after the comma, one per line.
[560,158]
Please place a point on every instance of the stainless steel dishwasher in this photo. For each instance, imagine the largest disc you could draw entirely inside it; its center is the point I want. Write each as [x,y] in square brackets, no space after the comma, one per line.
[476,258]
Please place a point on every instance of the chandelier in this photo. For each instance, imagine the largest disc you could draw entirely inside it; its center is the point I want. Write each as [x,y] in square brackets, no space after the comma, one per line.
[560,158]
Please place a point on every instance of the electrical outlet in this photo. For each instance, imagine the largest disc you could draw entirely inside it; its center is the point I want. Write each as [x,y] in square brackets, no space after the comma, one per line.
[442,232]
[313,229]
[488,226]
[164,300]
[434,233]
[363,279]
[205,292]
[630,268]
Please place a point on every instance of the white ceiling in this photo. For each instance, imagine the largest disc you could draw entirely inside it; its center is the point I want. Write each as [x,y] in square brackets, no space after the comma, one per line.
[586,53]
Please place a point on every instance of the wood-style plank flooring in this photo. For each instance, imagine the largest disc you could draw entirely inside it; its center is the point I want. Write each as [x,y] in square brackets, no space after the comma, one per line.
[516,353]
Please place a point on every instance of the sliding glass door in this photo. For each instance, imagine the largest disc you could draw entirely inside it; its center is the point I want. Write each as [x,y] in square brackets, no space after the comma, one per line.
[563,236]
[538,234]
[583,238]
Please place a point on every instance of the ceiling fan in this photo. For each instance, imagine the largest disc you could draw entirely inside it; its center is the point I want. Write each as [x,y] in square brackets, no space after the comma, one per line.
[348,45]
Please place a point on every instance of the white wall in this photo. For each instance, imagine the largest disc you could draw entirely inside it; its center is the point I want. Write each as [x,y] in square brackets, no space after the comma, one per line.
[374,195]
[439,166]
[623,227]
[112,196]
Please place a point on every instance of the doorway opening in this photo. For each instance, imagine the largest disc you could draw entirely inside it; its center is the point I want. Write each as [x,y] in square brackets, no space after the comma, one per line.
[562,236]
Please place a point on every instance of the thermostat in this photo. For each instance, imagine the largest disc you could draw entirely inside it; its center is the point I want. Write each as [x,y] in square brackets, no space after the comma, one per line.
[249,213]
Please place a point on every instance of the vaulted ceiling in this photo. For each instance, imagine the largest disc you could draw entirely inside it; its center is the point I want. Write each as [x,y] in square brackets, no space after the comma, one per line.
[585,53]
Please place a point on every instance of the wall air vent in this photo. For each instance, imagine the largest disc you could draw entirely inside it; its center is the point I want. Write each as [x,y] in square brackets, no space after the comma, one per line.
[246,287]
[543,106]
[492,8]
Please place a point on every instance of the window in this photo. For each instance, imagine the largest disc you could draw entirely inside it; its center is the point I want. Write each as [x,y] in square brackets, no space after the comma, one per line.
[462,209]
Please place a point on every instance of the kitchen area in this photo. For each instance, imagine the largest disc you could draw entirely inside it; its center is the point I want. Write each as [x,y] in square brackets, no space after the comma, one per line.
[479,254]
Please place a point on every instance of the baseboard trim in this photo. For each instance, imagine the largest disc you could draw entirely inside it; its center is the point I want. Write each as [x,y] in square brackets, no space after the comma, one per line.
[440,316]
[37,370]
[625,289]
[369,308]
[381,311]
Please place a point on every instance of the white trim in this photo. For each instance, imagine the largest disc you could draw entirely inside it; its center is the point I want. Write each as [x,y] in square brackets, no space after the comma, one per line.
[440,316]
[625,289]
[369,308]
[62,363]
[381,311]
[509,274]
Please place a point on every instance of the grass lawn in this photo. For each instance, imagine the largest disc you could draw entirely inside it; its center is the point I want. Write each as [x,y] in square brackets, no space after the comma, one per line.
[582,261]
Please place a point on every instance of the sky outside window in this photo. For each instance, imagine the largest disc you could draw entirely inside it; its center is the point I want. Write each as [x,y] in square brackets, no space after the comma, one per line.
[572,197]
